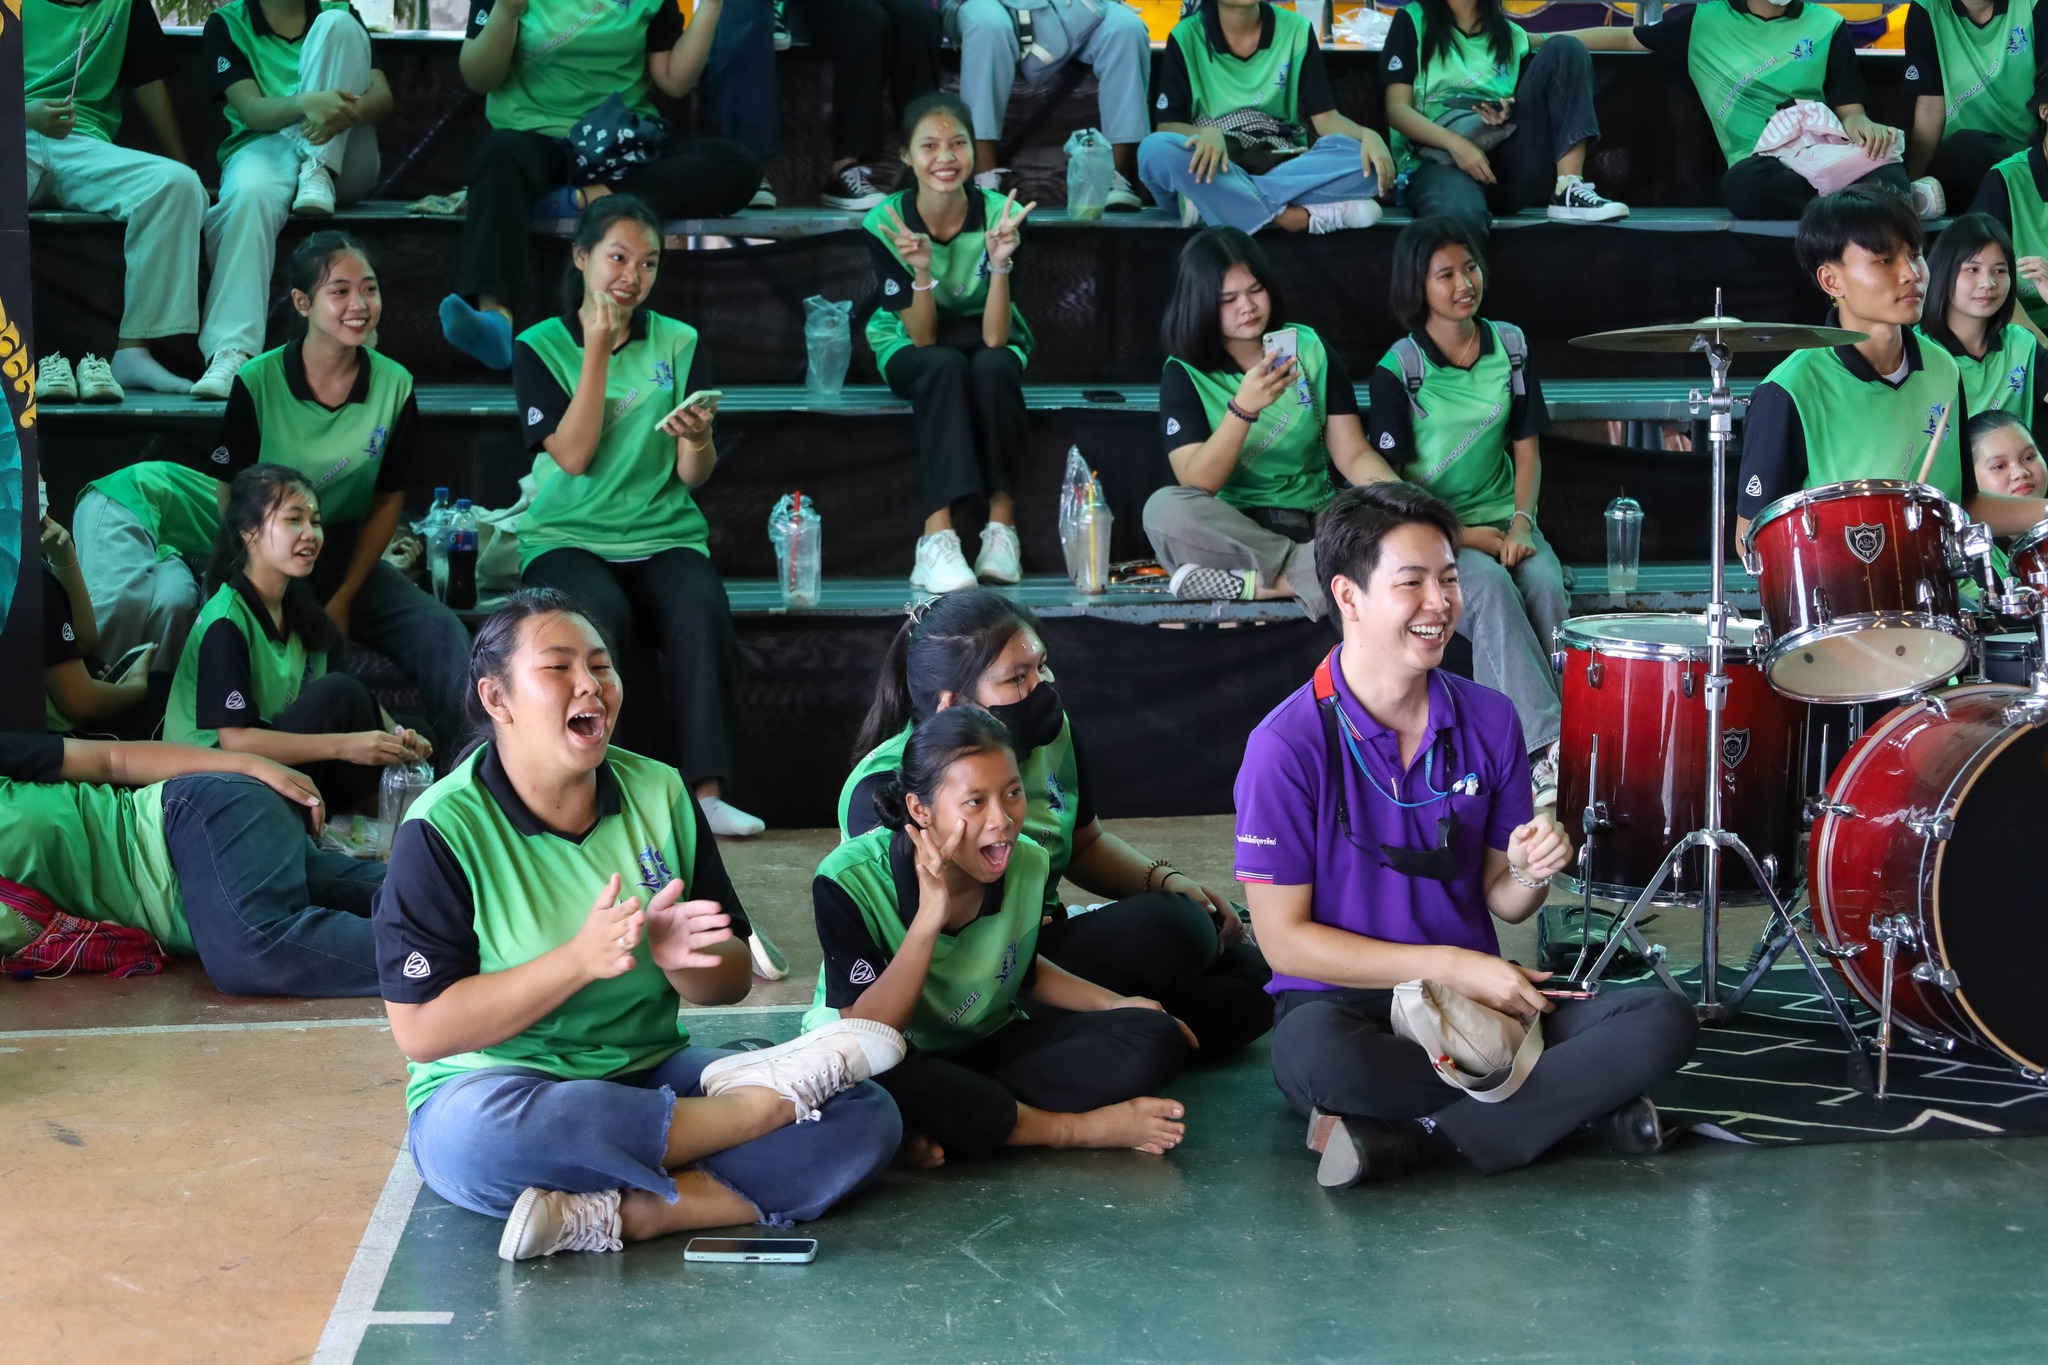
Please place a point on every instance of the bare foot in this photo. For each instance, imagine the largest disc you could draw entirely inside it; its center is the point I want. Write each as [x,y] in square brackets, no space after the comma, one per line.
[1150,1125]
[920,1153]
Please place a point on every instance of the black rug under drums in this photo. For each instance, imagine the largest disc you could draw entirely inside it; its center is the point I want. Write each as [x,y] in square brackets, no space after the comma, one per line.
[1776,1076]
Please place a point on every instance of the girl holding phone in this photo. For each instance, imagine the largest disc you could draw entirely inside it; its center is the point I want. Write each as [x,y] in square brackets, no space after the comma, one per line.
[613,522]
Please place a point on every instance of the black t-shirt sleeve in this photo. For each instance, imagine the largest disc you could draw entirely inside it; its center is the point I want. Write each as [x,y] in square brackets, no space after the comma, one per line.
[1671,37]
[147,56]
[1183,421]
[1084,783]
[1773,451]
[60,637]
[226,63]
[543,402]
[479,12]
[1995,199]
[241,435]
[424,919]
[1390,425]
[1527,414]
[890,272]
[860,807]
[665,27]
[699,376]
[1175,100]
[709,881]
[1340,392]
[395,469]
[1402,53]
[31,758]
[1923,59]
[226,686]
[1962,404]
[852,957]
[1312,95]
[1843,83]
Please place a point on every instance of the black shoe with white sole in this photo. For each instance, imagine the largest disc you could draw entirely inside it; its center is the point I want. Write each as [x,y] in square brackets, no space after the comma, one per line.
[1579,202]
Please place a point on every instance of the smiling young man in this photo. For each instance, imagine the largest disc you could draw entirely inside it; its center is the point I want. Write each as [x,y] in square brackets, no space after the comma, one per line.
[1384,819]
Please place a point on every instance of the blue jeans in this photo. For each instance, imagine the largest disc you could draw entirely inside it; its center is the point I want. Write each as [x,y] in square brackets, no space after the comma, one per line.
[428,643]
[482,1138]
[270,913]
[741,73]
[1331,171]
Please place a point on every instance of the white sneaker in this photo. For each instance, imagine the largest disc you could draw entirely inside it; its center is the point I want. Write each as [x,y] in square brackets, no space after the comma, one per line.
[55,384]
[1190,213]
[316,189]
[96,381]
[991,180]
[1000,560]
[1199,583]
[941,567]
[729,820]
[220,375]
[1929,199]
[853,189]
[1579,202]
[769,963]
[812,1069]
[1122,198]
[764,197]
[1346,213]
[544,1222]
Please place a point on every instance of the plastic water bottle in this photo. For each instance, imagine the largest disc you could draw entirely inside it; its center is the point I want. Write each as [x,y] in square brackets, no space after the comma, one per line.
[1092,541]
[798,535]
[434,531]
[461,539]
[1624,543]
[401,786]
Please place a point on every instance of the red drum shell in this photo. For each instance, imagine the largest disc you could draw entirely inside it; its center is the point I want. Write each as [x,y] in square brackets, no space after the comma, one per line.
[2028,561]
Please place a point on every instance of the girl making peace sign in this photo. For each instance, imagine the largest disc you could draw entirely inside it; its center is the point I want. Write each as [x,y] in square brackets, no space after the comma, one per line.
[947,337]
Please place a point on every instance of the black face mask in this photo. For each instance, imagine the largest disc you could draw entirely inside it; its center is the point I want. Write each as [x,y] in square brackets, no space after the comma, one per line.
[1036,720]
[1438,864]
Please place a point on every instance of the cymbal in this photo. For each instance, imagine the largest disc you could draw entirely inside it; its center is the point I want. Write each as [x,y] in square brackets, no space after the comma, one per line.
[1735,334]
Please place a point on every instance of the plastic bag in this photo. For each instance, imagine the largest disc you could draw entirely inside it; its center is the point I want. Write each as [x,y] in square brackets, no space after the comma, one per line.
[1366,27]
[828,340]
[798,533]
[1085,524]
[1075,487]
[1090,173]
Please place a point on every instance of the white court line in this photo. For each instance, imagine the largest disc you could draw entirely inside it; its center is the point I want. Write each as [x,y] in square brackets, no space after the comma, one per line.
[355,1306]
[246,1026]
[700,1011]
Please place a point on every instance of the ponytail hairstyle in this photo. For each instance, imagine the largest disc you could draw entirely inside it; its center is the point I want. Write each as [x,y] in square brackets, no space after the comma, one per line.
[1438,24]
[497,640]
[256,493]
[591,226]
[935,745]
[944,646]
[916,112]
[313,262]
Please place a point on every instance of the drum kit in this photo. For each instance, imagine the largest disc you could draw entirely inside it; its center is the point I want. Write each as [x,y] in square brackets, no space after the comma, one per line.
[1685,737]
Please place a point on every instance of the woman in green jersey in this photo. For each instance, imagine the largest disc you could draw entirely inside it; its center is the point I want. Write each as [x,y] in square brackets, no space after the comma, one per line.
[1251,433]
[930,925]
[1970,66]
[1969,311]
[613,522]
[2016,194]
[142,533]
[254,677]
[302,101]
[552,1083]
[1163,935]
[1456,407]
[947,337]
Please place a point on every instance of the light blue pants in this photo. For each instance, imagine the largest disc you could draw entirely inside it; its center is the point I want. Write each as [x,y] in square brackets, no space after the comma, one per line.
[1116,46]
[1511,618]
[1328,173]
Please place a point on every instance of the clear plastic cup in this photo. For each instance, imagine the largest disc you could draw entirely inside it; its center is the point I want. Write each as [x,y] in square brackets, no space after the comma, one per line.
[1624,543]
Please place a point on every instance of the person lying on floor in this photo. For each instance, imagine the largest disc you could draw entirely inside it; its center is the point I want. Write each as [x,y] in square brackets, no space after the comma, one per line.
[930,924]
[1164,935]
[552,1082]
[208,856]
[1384,819]
[79,696]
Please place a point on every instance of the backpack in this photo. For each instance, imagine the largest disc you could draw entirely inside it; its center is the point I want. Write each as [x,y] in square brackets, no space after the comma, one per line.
[1412,365]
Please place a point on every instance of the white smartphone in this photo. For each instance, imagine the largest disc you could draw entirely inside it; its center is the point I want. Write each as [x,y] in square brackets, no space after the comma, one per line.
[753,1250]
[706,399]
[1285,343]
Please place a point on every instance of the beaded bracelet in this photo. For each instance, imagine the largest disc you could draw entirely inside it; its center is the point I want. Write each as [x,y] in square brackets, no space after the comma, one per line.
[1529,882]
[1001,269]
[1248,418]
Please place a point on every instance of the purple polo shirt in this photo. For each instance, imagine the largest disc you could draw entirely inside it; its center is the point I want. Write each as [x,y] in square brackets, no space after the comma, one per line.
[1287,832]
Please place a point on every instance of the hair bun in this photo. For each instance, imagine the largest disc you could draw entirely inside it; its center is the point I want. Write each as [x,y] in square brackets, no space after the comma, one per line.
[891,806]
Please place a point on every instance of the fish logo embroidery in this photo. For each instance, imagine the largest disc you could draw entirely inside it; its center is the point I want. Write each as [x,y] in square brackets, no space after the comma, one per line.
[664,376]
[1055,799]
[2017,39]
[375,449]
[1802,51]
[1009,968]
[1933,420]
[654,873]
[2016,378]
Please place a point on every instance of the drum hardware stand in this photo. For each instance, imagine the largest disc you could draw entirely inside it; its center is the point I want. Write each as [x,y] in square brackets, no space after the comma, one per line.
[1889,931]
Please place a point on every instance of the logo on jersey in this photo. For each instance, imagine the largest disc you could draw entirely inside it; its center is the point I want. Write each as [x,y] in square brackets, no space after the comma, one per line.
[862,974]
[220,66]
[654,873]
[1734,746]
[1802,51]
[68,636]
[236,702]
[533,417]
[891,287]
[1393,63]
[1386,440]
[2017,40]
[664,376]
[1866,542]
[1009,968]
[416,967]
[1055,799]
[220,455]
[1755,487]
[1912,73]
[483,16]
[1162,102]
[2016,378]
[1281,79]
[1173,426]
[1933,420]
[375,449]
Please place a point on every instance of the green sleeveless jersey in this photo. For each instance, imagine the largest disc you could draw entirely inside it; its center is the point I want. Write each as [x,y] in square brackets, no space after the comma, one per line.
[279,666]
[273,60]
[50,35]
[959,274]
[2004,379]
[1462,450]
[976,972]
[1285,461]
[570,55]
[1745,68]
[1987,74]
[1856,429]
[1269,80]
[179,507]
[2029,228]
[628,504]
[1465,67]
[98,852]
[339,450]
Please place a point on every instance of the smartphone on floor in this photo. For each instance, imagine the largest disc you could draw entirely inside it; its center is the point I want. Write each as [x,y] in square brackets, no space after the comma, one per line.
[753,1250]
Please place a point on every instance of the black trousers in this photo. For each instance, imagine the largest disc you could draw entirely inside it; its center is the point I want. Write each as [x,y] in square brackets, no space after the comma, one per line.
[1765,187]
[675,605]
[700,177]
[1963,160]
[1336,1051]
[336,704]
[967,403]
[871,42]
[1062,1063]
[1162,945]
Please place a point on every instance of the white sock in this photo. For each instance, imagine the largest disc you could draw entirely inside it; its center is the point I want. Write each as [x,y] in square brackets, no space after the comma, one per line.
[135,368]
[729,820]
[1565,180]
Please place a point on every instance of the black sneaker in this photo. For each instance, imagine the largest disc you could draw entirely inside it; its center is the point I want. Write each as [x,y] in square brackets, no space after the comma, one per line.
[1579,202]
[1631,1130]
[1357,1150]
[764,197]
[781,29]
[851,189]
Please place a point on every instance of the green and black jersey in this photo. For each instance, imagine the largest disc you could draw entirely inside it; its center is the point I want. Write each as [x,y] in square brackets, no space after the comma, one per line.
[959,272]
[178,507]
[2003,378]
[1746,68]
[105,46]
[1983,76]
[239,669]
[1200,78]
[2016,194]
[1464,71]
[1455,433]
[574,54]
[1285,459]
[241,45]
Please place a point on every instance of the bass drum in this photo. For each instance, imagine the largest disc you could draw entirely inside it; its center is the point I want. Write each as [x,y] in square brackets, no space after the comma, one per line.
[1928,819]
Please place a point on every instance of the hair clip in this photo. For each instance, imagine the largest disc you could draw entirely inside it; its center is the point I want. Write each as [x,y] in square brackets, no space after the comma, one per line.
[916,610]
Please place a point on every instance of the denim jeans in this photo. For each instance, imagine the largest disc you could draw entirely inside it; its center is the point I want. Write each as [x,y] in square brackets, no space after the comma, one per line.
[741,74]
[482,1138]
[428,643]
[270,913]
[1330,172]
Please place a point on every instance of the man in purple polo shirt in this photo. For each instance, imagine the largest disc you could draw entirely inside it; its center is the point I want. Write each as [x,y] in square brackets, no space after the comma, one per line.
[1384,820]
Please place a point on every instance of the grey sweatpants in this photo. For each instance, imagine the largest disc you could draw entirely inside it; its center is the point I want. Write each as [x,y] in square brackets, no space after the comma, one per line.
[137,598]
[1511,616]
[1192,526]
[1116,46]
[159,199]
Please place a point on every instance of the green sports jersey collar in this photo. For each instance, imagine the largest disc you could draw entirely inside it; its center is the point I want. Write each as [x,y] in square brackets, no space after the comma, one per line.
[636,328]
[1420,336]
[491,773]
[1853,361]
[247,592]
[1792,11]
[1212,28]
[903,872]
[976,221]
[260,21]
[294,362]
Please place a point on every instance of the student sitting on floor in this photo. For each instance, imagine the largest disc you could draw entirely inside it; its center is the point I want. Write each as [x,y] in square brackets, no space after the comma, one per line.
[1182,944]
[1462,80]
[328,404]
[1969,313]
[254,676]
[552,1083]
[614,522]
[546,66]
[76,698]
[948,338]
[2016,194]
[1383,823]
[1251,435]
[210,858]
[1457,409]
[1970,65]
[303,100]
[1248,130]
[141,532]
[930,924]
[1747,59]
[74,109]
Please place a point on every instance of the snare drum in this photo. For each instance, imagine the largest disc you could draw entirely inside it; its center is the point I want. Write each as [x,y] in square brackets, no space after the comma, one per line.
[1928,819]
[1858,590]
[1636,682]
